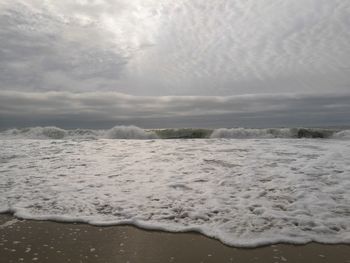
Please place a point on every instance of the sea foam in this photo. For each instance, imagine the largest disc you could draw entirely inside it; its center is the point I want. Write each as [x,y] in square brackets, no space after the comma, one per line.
[242,192]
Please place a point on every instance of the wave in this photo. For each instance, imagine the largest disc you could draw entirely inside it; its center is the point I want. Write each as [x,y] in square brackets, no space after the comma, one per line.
[345,134]
[51,132]
[184,133]
[36,133]
[129,132]
[273,133]
[134,132]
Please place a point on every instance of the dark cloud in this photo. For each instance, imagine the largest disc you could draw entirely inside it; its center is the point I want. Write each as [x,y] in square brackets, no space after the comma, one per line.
[96,109]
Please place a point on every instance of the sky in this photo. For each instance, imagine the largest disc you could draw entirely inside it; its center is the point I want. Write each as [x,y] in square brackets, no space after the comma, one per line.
[165,63]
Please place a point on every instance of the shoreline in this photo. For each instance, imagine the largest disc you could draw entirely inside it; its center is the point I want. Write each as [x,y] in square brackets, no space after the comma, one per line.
[49,241]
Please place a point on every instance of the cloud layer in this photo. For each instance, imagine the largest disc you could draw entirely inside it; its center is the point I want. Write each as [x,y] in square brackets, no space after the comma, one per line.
[164,47]
[174,63]
[97,109]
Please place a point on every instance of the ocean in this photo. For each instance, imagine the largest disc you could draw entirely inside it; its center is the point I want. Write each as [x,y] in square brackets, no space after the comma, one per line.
[244,187]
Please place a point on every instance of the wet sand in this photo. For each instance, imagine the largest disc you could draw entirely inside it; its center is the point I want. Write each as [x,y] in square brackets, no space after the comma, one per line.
[43,241]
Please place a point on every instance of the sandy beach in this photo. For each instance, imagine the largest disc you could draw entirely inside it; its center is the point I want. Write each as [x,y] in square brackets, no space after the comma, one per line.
[44,241]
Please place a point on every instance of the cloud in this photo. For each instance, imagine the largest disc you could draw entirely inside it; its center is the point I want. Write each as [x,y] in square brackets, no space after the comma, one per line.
[41,50]
[173,63]
[185,47]
[234,47]
[78,109]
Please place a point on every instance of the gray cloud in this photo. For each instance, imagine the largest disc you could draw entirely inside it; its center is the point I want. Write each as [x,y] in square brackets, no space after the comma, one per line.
[108,108]
[172,63]
[236,47]
[40,51]
[164,47]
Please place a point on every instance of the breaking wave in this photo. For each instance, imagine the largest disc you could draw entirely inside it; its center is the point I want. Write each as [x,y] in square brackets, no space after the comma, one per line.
[36,133]
[129,132]
[273,133]
[134,132]
[345,134]
[51,132]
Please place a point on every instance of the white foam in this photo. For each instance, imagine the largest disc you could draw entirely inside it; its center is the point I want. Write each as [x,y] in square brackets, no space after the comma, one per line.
[129,132]
[242,192]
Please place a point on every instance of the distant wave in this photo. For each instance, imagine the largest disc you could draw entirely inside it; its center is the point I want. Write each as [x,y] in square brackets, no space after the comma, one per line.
[51,132]
[133,132]
[273,133]
[36,133]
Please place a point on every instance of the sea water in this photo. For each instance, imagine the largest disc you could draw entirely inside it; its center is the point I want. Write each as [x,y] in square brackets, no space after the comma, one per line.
[245,187]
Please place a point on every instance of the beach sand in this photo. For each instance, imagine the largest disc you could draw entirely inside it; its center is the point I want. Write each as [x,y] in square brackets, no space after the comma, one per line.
[44,241]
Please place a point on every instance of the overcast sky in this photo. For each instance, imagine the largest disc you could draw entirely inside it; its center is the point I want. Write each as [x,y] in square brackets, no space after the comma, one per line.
[166,63]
